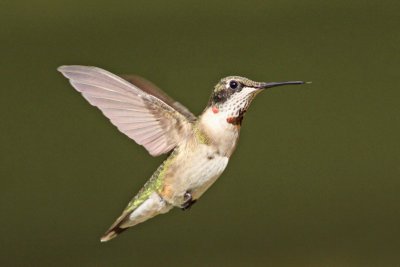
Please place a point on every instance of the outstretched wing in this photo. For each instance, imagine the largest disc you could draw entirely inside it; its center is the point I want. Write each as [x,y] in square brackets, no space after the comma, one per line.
[152,89]
[143,117]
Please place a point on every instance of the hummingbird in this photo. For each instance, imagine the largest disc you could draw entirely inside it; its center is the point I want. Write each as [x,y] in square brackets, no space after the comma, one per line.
[198,148]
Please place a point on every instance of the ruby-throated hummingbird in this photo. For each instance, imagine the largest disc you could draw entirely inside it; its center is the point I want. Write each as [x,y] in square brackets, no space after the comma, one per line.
[199,147]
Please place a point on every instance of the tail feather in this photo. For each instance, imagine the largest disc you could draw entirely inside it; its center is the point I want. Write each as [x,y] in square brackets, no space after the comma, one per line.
[110,234]
[116,228]
[151,207]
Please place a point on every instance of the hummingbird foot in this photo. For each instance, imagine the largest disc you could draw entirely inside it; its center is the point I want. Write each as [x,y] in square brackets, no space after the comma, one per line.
[189,201]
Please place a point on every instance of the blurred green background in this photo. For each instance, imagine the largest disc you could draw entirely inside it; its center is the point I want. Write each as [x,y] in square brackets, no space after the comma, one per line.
[315,180]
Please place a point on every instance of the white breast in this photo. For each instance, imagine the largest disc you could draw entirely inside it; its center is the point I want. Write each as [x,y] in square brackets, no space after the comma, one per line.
[207,166]
[198,165]
[223,134]
[194,172]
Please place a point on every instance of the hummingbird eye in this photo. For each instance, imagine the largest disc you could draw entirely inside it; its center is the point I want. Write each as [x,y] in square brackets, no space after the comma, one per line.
[233,84]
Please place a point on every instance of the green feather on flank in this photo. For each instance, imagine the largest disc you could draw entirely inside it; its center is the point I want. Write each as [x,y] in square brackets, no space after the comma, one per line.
[200,136]
[156,181]
[155,184]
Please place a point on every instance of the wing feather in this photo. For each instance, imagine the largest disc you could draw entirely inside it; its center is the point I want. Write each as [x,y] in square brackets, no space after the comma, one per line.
[148,120]
[153,89]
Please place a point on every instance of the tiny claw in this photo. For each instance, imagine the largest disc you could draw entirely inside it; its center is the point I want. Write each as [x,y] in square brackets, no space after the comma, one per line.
[187,197]
[188,201]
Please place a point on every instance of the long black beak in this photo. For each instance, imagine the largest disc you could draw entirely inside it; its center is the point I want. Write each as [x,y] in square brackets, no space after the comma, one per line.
[273,84]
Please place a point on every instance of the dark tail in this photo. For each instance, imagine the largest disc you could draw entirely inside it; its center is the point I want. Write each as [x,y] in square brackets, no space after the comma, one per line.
[111,233]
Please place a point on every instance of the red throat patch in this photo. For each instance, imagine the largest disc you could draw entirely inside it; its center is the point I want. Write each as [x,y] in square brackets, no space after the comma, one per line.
[231,120]
[236,120]
[215,110]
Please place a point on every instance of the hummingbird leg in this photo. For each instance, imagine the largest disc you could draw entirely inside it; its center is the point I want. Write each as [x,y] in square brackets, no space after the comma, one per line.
[189,201]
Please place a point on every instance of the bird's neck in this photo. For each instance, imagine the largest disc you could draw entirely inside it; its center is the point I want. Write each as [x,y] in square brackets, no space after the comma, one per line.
[220,129]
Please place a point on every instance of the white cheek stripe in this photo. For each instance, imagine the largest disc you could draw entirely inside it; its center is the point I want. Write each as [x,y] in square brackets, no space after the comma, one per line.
[245,93]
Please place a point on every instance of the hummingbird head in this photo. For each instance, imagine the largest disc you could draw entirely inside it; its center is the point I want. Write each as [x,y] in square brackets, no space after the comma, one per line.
[232,96]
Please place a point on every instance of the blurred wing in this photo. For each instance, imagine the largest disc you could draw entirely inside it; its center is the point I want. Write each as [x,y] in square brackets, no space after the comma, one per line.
[154,90]
[143,117]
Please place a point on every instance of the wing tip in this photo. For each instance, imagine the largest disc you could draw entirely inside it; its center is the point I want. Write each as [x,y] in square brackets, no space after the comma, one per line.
[62,69]
[68,68]
[65,69]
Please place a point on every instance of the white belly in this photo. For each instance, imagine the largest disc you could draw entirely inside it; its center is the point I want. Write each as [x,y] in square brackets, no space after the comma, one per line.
[208,171]
[196,173]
